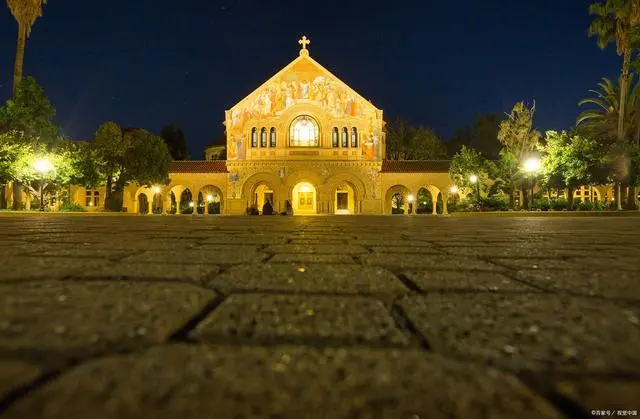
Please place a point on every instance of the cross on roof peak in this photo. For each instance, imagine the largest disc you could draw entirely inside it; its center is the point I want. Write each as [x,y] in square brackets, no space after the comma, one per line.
[304,42]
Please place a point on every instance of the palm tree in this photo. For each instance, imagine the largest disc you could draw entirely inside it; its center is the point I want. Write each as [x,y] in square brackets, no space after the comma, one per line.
[618,21]
[25,12]
[601,121]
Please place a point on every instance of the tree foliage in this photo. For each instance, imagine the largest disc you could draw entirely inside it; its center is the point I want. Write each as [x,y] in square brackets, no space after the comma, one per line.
[126,156]
[466,163]
[516,133]
[482,136]
[406,142]
[30,112]
[176,142]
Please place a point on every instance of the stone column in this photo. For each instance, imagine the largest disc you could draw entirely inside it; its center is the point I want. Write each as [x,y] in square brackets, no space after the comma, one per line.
[445,198]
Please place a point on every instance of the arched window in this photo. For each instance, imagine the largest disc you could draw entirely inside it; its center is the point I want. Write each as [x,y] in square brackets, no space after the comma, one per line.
[272,137]
[345,137]
[334,137]
[254,137]
[304,132]
[354,137]
[263,137]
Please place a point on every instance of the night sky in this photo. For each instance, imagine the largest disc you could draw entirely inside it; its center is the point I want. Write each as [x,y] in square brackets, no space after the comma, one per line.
[145,63]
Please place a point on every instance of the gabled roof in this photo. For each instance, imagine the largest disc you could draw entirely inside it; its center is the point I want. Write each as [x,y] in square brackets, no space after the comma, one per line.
[300,58]
[415,166]
[199,166]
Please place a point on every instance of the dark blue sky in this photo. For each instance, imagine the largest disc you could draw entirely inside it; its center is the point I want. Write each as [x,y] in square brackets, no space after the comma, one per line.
[144,63]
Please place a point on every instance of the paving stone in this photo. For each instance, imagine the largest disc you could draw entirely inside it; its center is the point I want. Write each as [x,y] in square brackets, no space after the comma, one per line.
[301,319]
[602,394]
[535,263]
[166,271]
[311,258]
[72,318]
[318,249]
[15,374]
[16,268]
[530,331]
[294,277]
[211,255]
[431,261]
[609,283]
[254,240]
[464,281]
[192,382]
[422,250]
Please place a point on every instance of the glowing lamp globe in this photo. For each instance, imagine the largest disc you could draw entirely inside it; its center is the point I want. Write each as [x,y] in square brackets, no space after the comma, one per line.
[42,166]
[473,178]
[532,165]
[454,189]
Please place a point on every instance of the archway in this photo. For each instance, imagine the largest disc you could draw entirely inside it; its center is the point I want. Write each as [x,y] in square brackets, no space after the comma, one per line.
[156,203]
[262,194]
[270,182]
[186,202]
[143,204]
[212,199]
[396,200]
[345,199]
[424,201]
[304,198]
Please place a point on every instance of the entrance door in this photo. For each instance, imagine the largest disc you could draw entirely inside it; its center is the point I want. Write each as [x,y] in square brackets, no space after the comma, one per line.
[268,196]
[305,201]
[343,201]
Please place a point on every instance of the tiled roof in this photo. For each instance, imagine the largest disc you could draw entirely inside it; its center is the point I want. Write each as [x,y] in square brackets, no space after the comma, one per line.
[415,166]
[199,166]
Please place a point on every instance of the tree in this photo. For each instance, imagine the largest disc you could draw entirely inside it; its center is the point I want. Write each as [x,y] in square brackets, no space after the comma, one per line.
[398,134]
[507,174]
[30,112]
[406,142]
[482,136]
[147,161]
[25,12]
[111,146]
[570,161]
[466,163]
[517,135]
[129,155]
[618,21]
[176,142]
[424,144]
[601,122]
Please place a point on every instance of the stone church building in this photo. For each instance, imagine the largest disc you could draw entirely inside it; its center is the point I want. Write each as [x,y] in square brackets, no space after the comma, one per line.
[305,137]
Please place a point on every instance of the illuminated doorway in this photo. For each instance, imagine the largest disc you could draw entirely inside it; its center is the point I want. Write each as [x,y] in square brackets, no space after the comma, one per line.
[304,198]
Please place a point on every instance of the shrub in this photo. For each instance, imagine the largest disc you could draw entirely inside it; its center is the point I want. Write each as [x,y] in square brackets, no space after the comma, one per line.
[543,204]
[590,206]
[495,203]
[560,204]
[68,207]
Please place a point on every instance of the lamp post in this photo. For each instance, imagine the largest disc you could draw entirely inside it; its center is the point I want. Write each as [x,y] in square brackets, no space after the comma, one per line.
[532,166]
[474,180]
[42,166]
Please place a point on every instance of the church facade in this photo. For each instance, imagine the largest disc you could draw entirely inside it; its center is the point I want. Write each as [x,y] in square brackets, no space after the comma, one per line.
[305,137]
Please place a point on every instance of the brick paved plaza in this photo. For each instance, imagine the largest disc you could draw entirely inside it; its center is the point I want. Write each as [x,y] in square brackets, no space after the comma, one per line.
[320,317]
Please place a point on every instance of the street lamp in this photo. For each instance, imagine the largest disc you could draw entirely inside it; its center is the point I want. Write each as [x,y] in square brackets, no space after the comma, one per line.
[474,179]
[42,166]
[532,166]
